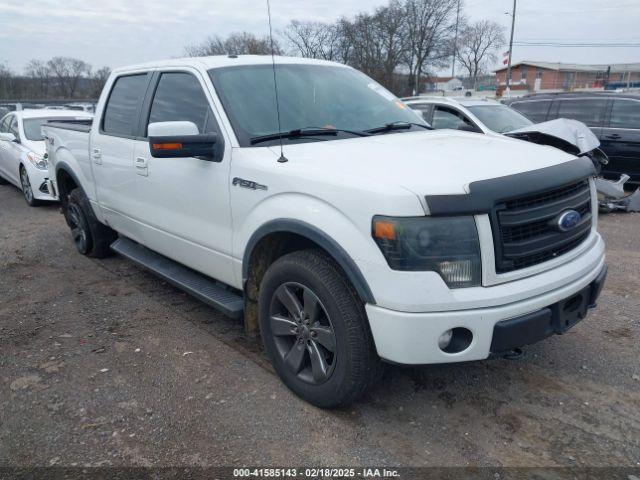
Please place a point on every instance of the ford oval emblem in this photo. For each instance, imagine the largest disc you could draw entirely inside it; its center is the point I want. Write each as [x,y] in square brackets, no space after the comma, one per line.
[568,220]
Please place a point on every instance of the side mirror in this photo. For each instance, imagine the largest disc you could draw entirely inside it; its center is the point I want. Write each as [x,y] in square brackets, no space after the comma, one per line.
[465,127]
[7,137]
[180,139]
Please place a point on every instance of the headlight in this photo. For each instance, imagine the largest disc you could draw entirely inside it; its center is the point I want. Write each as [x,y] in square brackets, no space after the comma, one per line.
[446,245]
[38,161]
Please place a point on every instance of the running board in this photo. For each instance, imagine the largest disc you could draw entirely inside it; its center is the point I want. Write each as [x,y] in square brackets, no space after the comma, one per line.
[184,278]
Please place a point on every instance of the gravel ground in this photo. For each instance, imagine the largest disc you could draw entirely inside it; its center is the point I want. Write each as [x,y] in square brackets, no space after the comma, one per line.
[103,364]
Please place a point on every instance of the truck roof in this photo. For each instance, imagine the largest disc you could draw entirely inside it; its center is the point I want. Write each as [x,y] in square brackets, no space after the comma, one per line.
[219,61]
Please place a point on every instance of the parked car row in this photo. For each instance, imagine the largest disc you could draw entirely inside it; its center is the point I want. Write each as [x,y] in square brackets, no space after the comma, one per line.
[23,154]
[333,219]
[613,117]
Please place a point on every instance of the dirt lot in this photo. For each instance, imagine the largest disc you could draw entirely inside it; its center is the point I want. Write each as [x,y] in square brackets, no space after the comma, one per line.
[103,364]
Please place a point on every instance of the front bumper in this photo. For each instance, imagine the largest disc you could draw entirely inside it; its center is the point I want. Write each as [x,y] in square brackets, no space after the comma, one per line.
[40,184]
[412,338]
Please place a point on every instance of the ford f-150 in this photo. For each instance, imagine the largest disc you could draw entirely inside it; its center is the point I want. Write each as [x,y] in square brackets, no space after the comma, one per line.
[329,216]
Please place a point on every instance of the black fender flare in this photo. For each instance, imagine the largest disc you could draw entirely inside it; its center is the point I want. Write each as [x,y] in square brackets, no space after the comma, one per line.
[63,166]
[317,236]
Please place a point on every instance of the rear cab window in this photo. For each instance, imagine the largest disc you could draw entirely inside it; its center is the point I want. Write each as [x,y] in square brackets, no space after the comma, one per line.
[121,113]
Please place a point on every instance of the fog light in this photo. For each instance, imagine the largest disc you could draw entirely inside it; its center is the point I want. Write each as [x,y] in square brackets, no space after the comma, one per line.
[445,339]
[459,272]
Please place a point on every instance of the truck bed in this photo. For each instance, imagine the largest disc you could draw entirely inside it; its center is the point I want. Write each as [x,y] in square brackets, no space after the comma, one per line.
[67,141]
[79,125]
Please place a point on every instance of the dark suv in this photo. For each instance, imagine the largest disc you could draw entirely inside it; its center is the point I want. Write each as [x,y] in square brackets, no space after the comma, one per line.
[613,117]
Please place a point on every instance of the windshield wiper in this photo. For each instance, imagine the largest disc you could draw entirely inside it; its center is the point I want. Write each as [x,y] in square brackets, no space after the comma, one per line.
[305,132]
[399,125]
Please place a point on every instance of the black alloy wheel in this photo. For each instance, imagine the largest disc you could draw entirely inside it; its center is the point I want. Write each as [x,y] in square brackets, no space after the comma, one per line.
[79,228]
[303,333]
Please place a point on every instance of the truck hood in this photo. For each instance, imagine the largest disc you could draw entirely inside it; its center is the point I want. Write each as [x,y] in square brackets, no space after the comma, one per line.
[571,136]
[438,162]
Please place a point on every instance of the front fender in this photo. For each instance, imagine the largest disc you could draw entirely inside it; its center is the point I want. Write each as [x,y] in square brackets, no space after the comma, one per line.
[349,244]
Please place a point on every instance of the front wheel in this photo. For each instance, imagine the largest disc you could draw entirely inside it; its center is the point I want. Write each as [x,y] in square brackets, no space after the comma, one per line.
[27,191]
[315,330]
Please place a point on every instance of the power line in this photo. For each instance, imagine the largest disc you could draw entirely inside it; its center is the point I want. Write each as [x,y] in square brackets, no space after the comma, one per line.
[576,45]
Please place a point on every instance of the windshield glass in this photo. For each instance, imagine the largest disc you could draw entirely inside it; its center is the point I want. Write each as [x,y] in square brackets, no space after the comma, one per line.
[500,118]
[310,96]
[32,126]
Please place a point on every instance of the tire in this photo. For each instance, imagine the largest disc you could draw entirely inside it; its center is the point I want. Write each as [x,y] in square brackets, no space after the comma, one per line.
[90,237]
[3,181]
[27,190]
[330,316]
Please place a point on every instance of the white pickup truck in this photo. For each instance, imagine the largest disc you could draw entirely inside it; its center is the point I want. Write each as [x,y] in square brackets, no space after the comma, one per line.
[339,226]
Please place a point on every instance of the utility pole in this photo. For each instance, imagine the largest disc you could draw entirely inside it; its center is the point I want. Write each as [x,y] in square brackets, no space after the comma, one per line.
[455,43]
[513,26]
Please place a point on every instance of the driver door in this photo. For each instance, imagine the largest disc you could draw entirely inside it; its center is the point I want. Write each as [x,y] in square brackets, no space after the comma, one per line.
[185,201]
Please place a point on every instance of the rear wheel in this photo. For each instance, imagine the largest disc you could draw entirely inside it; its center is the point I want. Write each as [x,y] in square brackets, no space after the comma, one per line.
[90,237]
[315,330]
[27,191]
[3,181]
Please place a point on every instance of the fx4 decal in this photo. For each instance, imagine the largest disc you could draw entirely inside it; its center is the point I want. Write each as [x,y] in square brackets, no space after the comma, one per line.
[241,182]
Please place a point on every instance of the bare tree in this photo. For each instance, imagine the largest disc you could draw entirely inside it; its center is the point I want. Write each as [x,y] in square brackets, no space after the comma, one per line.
[315,40]
[430,28]
[392,35]
[39,72]
[477,45]
[67,73]
[242,43]
[6,81]
[97,80]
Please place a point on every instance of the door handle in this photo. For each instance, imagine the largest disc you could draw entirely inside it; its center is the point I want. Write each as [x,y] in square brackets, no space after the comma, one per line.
[613,136]
[96,154]
[141,162]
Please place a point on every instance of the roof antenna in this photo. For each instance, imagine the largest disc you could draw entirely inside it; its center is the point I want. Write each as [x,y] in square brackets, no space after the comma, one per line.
[282,158]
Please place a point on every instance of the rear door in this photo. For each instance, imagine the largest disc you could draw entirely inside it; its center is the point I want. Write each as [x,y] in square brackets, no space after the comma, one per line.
[621,139]
[590,111]
[111,153]
[185,201]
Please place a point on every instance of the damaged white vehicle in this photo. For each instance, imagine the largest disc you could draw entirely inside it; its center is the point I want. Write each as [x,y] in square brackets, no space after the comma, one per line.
[492,118]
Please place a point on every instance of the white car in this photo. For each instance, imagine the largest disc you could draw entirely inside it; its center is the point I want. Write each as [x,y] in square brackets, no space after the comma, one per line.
[343,230]
[22,150]
[468,114]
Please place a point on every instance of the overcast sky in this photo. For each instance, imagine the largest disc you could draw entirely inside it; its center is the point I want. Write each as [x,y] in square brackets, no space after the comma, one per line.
[122,32]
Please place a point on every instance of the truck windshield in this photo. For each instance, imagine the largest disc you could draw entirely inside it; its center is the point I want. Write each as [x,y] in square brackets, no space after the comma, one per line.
[310,96]
[500,118]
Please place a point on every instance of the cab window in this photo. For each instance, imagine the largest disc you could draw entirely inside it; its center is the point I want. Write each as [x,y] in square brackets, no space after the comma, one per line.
[121,113]
[179,97]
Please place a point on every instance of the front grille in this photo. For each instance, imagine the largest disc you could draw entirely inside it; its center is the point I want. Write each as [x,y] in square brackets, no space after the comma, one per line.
[525,228]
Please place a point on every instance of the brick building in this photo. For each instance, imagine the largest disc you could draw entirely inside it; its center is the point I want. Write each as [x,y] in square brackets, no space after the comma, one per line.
[547,76]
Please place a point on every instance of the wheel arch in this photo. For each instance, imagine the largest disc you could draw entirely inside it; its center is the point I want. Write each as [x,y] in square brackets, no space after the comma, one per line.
[310,236]
[66,181]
